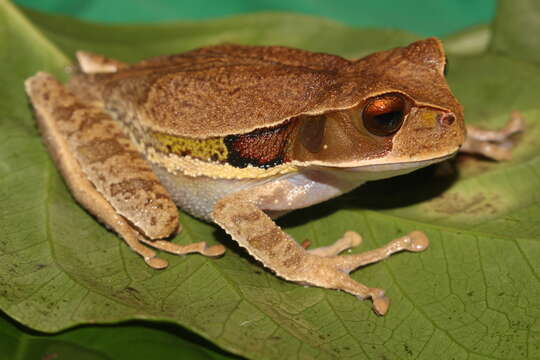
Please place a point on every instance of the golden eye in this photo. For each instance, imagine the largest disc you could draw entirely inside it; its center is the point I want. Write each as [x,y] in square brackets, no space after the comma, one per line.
[383,115]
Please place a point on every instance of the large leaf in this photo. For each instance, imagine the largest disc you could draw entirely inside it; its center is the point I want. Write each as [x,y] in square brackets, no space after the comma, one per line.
[132,341]
[474,293]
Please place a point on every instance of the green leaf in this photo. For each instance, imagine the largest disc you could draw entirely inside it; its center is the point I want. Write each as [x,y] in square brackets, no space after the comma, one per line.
[474,293]
[132,341]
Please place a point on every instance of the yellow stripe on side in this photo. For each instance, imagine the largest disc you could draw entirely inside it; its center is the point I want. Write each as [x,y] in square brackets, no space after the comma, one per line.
[194,167]
[213,149]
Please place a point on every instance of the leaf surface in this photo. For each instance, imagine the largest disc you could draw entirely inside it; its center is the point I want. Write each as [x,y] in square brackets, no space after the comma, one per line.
[474,294]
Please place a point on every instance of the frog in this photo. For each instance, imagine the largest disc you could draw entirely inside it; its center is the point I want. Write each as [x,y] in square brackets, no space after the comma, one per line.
[241,135]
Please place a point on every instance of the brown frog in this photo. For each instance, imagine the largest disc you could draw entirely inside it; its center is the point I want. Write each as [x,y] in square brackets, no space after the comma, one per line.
[239,135]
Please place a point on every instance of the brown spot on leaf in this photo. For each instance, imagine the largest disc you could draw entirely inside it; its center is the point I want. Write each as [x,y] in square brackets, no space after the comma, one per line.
[457,204]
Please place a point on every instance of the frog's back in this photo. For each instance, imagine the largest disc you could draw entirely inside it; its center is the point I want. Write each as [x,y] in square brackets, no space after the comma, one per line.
[221,90]
[233,89]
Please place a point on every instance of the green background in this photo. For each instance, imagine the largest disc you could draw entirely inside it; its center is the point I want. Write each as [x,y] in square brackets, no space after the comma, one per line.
[424,17]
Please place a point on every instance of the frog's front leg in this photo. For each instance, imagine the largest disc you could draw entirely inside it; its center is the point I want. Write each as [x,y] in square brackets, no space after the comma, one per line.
[493,144]
[246,223]
[105,172]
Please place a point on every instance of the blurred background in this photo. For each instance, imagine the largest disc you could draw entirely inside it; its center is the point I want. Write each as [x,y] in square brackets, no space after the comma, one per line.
[423,17]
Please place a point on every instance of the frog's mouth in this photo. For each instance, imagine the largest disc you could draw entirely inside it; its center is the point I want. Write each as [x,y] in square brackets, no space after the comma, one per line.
[382,163]
[403,164]
[374,171]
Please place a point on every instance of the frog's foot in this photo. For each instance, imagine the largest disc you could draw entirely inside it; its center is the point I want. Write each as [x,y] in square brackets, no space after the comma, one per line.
[333,271]
[136,241]
[494,144]
[349,240]
[323,272]
[415,241]
[255,231]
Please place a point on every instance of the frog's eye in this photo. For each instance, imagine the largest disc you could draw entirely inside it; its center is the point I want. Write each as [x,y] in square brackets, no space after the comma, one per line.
[383,115]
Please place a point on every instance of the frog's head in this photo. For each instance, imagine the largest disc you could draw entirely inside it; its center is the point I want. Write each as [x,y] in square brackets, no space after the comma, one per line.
[406,116]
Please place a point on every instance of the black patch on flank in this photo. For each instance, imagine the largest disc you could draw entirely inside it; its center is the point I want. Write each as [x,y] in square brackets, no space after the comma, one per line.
[262,148]
[236,159]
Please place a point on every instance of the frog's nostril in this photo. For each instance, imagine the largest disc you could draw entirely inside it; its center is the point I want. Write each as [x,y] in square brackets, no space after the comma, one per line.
[446,119]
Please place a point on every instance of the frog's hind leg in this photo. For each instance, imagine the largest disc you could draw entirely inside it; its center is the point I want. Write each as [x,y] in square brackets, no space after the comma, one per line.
[264,240]
[494,144]
[105,172]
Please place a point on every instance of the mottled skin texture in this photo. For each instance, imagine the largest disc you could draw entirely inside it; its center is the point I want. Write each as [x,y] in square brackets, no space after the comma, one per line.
[304,109]
[105,172]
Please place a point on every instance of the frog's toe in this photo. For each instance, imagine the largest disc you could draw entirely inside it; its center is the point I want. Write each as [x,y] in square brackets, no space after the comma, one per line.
[214,250]
[417,241]
[515,125]
[156,263]
[326,273]
[350,239]
[380,304]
